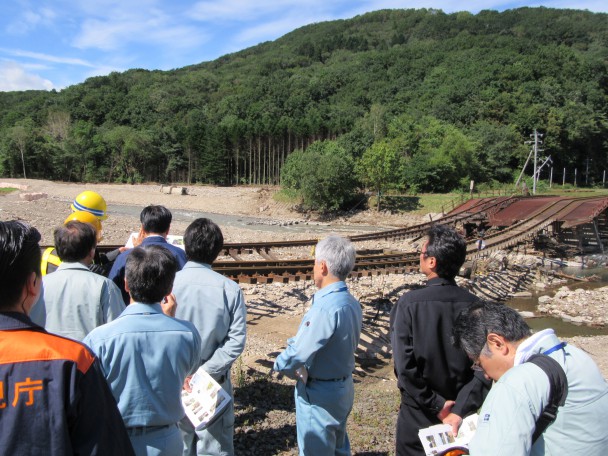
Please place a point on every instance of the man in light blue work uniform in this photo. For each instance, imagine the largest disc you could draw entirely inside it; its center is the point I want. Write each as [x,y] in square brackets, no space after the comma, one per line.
[146,355]
[155,225]
[216,306]
[498,341]
[322,354]
[75,300]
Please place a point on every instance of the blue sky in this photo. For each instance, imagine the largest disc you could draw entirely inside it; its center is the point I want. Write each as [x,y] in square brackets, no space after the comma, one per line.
[51,44]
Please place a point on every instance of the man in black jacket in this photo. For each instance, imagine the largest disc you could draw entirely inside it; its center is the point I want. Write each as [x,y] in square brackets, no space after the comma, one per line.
[436,381]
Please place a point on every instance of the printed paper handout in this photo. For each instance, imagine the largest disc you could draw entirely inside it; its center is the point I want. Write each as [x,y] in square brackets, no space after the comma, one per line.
[177,241]
[437,439]
[207,401]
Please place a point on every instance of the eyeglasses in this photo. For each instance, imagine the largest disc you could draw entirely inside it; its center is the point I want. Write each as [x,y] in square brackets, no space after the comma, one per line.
[423,253]
[476,366]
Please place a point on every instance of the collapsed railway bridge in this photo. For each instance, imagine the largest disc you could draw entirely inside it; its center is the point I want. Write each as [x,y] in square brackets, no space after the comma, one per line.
[569,225]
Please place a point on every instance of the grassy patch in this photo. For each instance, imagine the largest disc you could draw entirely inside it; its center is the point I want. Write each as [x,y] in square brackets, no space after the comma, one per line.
[287,195]
[573,191]
[424,203]
[5,191]
[421,203]
[371,426]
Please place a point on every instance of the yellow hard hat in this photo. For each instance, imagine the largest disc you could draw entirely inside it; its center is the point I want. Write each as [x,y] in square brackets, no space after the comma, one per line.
[86,217]
[91,202]
[50,261]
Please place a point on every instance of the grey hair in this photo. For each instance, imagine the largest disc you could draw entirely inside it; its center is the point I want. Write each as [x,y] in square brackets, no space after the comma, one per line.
[339,254]
[474,323]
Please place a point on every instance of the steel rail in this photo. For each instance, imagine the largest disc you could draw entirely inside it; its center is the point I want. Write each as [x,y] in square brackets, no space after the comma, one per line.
[524,229]
[373,262]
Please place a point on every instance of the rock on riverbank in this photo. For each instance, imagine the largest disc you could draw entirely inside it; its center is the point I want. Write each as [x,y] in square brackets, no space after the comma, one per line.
[579,306]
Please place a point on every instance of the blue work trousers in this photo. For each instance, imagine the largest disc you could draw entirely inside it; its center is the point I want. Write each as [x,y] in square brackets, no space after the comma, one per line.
[166,441]
[322,408]
[215,440]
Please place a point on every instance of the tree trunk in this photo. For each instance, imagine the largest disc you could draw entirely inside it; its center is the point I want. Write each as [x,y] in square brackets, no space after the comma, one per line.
[250,159]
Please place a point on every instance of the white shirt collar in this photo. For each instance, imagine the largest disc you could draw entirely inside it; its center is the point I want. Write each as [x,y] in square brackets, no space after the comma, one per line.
[526,348]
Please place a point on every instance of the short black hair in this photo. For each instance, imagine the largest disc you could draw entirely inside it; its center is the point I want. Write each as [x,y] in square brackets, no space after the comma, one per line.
[203,241]
[475,322]
[19,256]
[155,219]
[449,249]
[150,272]
[74,240]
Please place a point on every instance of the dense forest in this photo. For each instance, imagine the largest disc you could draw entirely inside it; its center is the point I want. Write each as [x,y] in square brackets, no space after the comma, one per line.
[414,99]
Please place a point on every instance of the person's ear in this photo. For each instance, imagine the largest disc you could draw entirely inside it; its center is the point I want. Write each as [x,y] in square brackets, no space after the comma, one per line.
[127,286]
[324,268]
[30,285]
[497,343]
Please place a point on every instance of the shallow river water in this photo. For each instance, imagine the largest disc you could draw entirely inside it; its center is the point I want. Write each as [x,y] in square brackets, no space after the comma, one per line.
[245,222]
[561,327]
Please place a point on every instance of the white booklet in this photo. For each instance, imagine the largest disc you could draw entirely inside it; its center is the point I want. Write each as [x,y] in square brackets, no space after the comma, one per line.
[438,439]
[206,402]
[175,240]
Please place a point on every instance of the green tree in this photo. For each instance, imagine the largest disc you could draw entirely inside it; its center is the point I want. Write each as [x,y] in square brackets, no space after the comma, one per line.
[380,167]
[499,150]
[322,175]
[20,137]
[128,148]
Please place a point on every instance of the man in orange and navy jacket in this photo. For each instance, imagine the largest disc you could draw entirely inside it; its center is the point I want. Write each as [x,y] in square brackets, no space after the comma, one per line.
[53,398]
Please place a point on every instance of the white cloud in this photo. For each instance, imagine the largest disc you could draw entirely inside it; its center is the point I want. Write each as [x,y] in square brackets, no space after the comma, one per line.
[272,30]
[112,8]
[102,35]
[156,28]
[230,10]
[46,57]
[36,66]
[31,19]
[14,77]
[103,71]
[247,10]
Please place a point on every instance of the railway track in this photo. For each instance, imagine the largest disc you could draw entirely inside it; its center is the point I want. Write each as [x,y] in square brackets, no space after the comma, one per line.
[525,229]
[477,211]
[272,268]
[302,269]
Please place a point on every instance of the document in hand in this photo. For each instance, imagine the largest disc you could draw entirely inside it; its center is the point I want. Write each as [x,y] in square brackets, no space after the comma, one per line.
[175,240]
[438,439]
[206,402]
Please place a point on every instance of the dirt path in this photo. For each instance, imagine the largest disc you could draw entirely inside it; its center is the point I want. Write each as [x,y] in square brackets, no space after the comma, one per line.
[257,202]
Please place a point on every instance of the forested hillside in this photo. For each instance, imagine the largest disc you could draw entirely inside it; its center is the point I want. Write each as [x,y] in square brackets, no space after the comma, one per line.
[412,98]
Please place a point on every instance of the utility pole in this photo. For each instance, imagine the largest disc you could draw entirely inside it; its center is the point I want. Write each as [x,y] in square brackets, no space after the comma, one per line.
[535,150]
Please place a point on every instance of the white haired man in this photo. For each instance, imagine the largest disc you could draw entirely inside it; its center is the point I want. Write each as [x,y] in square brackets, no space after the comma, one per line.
[323,354]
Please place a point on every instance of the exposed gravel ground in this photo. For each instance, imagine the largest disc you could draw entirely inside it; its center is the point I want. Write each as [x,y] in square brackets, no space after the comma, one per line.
[265,418]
